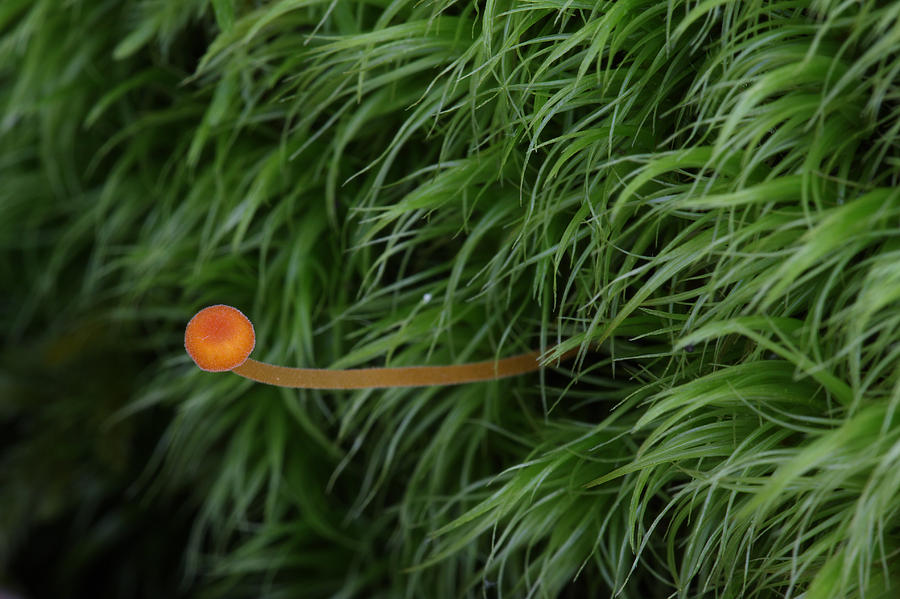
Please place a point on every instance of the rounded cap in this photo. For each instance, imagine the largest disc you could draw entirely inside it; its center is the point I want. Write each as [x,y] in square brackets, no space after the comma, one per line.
[219,338]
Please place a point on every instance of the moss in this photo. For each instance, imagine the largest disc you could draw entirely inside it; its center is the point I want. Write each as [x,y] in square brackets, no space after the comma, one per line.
[699,198]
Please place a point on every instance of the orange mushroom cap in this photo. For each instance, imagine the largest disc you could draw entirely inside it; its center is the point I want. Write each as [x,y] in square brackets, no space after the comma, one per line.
[219,338]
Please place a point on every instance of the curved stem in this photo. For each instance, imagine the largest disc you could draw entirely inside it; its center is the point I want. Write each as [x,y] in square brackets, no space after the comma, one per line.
[409,376]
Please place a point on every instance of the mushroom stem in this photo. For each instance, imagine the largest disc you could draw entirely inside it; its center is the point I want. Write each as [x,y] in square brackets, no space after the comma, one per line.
[409,376]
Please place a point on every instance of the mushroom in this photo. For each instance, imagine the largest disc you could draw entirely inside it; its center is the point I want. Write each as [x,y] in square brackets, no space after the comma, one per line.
[220,338]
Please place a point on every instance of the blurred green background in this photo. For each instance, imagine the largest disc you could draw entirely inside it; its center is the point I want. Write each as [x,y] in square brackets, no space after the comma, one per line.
[700,196]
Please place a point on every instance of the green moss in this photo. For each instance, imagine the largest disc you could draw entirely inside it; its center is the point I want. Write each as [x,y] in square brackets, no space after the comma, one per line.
[702,197]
